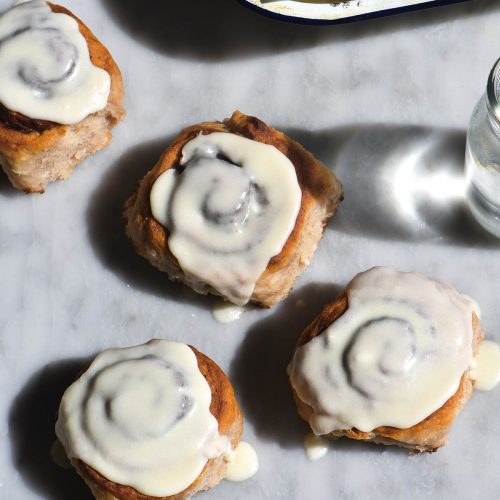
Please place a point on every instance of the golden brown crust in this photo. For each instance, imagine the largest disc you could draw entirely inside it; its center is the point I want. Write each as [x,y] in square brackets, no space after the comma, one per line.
[223,407]
[321,195]
[23,138]
[428,435]
[16,121]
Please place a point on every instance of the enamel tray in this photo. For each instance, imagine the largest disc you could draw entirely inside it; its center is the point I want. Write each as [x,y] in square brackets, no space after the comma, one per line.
[323,12]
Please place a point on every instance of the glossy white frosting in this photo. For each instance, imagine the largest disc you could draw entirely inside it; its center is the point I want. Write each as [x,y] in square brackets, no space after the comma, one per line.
[141,417]
[45,67]
[242,463]
[230,208]
[226,312]
[487,370]
[316,446]
[394,357]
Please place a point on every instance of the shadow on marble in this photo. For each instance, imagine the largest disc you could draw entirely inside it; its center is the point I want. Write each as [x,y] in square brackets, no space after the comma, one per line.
[224,29]
[401,183]
[258,371]
[106,226]
[6,188]
[31,430]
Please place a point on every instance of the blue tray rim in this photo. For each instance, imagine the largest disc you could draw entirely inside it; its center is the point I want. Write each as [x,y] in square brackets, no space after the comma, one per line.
[349,19]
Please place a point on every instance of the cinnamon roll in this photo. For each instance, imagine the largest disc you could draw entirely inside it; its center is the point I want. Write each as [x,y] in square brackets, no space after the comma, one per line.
[158,420]
[61,94]
[390,361]
[236,209]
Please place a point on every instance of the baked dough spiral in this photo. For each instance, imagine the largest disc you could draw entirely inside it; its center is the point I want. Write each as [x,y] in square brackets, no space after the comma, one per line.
[45,67]
[395,356]
[149,225]
[230,207]
[140,416]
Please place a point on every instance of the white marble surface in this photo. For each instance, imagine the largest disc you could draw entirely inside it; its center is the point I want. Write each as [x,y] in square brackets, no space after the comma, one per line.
[384,102]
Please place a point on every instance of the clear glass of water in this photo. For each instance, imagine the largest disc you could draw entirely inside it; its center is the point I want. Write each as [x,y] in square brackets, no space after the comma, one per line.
[482,161]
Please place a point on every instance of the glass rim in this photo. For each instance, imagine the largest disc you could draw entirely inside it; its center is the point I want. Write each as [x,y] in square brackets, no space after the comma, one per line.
[493,87]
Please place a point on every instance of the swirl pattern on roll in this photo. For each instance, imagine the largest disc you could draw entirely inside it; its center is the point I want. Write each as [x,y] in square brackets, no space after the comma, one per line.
[229,207]
[45,67]
[140,416]
[394,357]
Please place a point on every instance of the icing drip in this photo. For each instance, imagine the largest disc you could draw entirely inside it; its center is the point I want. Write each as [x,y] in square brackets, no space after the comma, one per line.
[242,463]
[394,357]
[316,446]
[226,312]
[45,67]
[140,416]
[487,369]
[229,207]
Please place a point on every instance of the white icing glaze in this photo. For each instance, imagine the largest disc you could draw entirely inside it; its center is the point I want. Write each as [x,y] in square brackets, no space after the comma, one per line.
[141,417]
[487,369]
[394,357]
[242,463]
[229,209]
[45,67]
[316,446]
[226,312]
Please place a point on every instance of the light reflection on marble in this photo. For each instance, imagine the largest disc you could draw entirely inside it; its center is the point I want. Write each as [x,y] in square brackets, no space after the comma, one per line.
[416,177]
[381,102]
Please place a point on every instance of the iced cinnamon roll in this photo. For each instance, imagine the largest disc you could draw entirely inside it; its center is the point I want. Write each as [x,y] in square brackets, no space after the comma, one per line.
[60,93]
[390,361]
[236,209]
[158,420]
